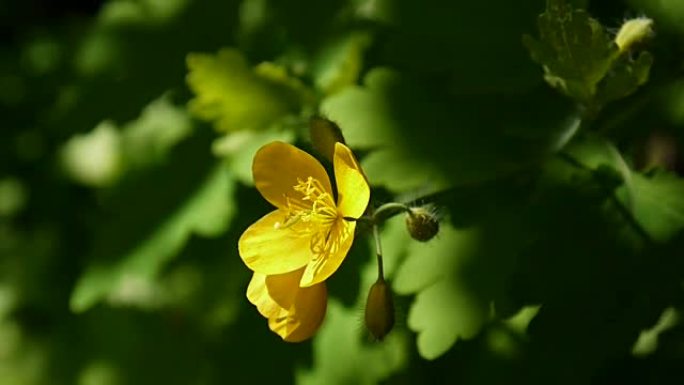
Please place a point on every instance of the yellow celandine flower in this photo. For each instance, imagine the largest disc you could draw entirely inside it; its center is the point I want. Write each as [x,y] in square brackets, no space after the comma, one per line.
[295,248]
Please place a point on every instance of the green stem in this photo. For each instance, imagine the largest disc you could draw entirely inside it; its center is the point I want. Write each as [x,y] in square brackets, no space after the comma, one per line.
[388,210]
[378,252]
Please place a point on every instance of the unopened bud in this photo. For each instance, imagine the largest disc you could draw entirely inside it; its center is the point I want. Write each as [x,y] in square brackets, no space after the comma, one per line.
[324,134]
[633,31]
[422,223]
[379,309]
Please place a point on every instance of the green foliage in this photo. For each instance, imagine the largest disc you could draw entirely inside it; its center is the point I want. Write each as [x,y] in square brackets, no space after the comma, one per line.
[444,309]
[344,353]
[237,97]
[657,203]
[207,211]
[125,183]
[581,60]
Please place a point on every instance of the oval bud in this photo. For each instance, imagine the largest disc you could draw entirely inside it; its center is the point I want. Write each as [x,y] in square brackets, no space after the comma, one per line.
[379,315]
[633,31]
[422,223]
[324,134]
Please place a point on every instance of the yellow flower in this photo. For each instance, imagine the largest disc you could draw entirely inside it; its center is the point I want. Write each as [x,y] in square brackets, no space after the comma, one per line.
[295,248]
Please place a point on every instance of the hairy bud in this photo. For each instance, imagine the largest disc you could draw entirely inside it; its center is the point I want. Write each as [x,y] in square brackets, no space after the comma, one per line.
[633,31]
[379,315]
[422,223]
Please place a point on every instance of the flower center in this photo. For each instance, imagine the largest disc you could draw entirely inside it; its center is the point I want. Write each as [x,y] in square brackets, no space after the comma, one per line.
[313,212]
[313,208]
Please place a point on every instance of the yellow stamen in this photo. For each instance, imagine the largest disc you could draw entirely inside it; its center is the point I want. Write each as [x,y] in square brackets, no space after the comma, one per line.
[315,214]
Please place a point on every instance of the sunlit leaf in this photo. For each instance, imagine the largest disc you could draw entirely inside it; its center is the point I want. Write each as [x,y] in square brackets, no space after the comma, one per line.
[95,158]
[581,60]
[237,97]
[444,309]
[159,128]
[339,65]
[648,339]
[574,49]
[658,203]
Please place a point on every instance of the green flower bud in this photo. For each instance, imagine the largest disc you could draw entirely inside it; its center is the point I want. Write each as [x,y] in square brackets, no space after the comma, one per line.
[324,134]
[379,315]
[633,31]
[422,223]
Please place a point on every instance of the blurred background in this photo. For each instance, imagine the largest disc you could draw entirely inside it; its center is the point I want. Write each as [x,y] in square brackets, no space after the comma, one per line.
[127,133]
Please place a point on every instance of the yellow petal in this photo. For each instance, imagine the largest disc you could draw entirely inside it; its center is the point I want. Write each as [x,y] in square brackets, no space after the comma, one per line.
[279,166]
[257,294]
[283,288]
[318,271]
[267,249]
[352,187]
[305,316]
[294,313]
[273,295]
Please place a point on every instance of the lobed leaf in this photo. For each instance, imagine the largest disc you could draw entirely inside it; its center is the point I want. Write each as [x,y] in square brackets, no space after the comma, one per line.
[236,97]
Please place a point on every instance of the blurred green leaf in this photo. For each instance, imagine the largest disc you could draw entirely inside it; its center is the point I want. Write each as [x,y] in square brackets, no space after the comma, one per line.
[341,356]
[648,338]
[667,13]
[96,158]
[657,203]
[237,97]
[101,157]
[340,63]
[420,138]
[148,139]
[207,212]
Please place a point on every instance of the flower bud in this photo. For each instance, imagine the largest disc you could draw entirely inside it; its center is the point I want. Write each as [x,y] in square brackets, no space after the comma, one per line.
[422,223]
[379,315]
[324,134]
[633,31]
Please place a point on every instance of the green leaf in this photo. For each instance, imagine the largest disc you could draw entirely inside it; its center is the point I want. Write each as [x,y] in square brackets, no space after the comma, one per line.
[339,64]
[647,342]
[445,309]
[626,76]
[95,158]
[101,157]
[207,212]
[159,128]
[574,49]
[422,138]
[236,97]
[658,203]
[341,355]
